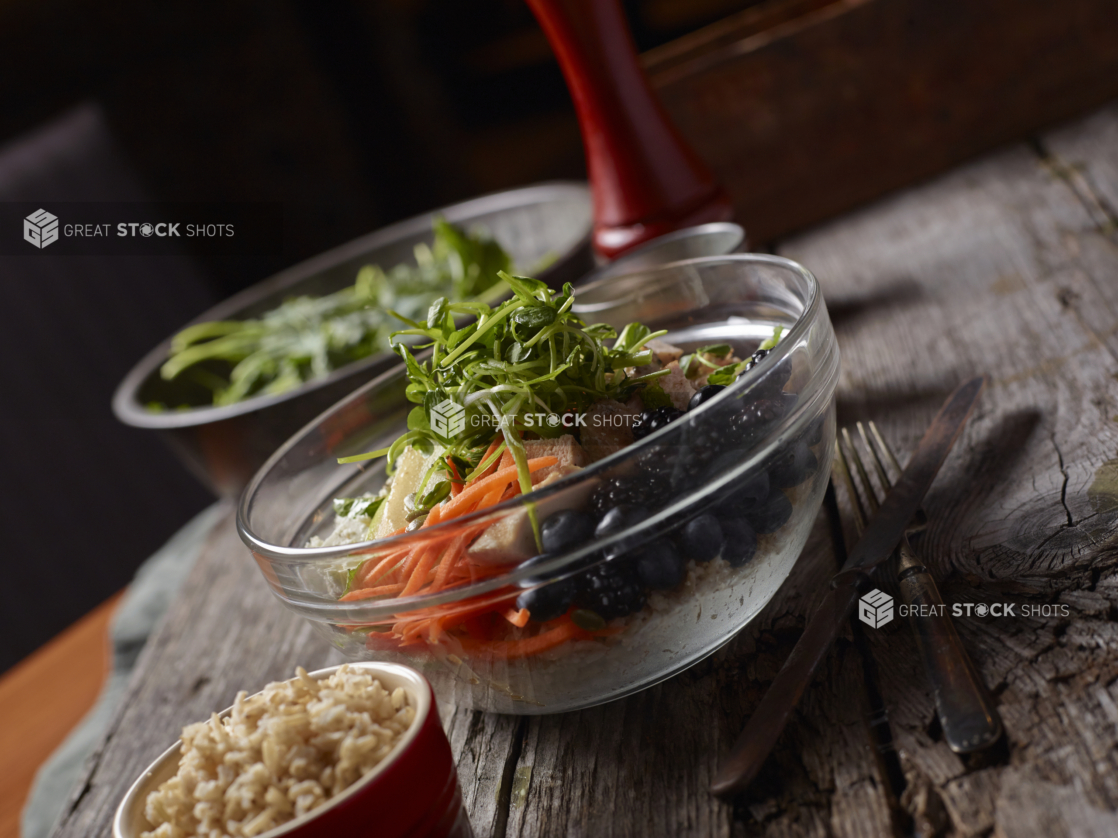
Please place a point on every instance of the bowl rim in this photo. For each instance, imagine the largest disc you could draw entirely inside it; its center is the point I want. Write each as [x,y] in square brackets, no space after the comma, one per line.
[417,688]
[622,265]
[127,408]
[366,610]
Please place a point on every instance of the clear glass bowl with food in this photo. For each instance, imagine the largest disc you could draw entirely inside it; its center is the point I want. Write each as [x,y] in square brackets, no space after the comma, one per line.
[569,497]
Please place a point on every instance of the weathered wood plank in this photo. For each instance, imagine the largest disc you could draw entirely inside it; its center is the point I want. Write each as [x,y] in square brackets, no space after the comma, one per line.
[999,267]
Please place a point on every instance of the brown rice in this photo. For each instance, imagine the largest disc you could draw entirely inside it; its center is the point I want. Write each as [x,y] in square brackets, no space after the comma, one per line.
[278,755]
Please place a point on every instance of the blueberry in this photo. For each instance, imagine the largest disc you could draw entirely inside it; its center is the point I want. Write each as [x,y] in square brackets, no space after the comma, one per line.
[773,515]
[814,434]
[705,395]
[741,543]
[774,379]
[565,530]
[793,466]
[548,601]
[659,566]
[745,495]
[615,520]
[532,581]
[701,538]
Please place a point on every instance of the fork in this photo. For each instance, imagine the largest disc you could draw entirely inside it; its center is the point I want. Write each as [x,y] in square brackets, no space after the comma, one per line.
[965,708]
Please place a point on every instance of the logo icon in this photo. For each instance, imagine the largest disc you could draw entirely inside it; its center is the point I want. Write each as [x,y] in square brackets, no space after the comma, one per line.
[447,418]
[146,230]
[40,228]
[875,608]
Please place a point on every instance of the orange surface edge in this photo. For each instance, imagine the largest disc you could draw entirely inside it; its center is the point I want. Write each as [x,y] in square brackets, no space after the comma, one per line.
[42,698]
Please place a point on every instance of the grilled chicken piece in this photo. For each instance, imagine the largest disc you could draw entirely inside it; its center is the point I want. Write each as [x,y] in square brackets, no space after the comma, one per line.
[511,540]
[565,448]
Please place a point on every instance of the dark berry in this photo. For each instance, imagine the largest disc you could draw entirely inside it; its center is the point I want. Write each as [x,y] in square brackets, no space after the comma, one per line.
[659,566]
[753,420]
[642,424]
[565,530]
[773,515]
[661,417]
[741,543]
[610,591]
[616,520]
[701,538]
[793,466]
[625,491]
[705,395]
[532,581]
[548,601]
[745,495]
[814,433]
[774,379]
[658,462]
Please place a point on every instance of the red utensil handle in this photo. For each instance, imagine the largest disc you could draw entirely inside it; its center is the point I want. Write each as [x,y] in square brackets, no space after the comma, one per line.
[645,179]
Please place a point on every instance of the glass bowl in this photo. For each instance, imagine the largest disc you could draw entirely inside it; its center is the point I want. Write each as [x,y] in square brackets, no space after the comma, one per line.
[729,490]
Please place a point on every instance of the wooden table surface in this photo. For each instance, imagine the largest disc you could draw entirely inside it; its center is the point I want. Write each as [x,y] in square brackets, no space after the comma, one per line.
[1007,266]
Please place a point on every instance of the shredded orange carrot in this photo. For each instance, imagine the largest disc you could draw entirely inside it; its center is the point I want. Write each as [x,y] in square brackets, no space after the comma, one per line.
[479,489]
[423,566]
[456,481]
[517,616]
[526,647]
[365,593]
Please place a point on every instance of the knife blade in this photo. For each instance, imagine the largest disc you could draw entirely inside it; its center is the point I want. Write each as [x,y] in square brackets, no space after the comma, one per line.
[878,540]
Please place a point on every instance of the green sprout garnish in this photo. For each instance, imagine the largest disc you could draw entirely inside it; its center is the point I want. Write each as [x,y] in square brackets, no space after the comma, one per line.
[528,355]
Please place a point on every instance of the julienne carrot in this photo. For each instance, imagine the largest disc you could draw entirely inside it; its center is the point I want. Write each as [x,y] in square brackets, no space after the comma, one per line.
[441,562]
[457,483]
[366,593]
[477,490]
[525,647]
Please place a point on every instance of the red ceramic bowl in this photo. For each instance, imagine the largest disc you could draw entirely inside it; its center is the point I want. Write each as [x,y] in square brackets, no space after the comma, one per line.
[413,793]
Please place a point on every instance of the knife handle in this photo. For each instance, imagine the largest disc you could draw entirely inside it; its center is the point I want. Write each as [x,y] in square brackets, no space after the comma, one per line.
[764,727]
[965,708]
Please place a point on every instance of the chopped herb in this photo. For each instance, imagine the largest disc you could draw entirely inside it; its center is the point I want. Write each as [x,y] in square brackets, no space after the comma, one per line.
[529,354]
[729,373]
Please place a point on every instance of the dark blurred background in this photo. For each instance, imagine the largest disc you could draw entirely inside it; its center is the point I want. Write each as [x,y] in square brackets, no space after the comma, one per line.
[355,113]
[352,114]
[349,114]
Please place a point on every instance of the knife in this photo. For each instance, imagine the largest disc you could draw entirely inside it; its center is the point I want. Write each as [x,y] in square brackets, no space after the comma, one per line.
[876,545]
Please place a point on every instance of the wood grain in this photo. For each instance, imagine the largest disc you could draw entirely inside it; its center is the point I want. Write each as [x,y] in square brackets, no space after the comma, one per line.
[806,115]
[1004,267]
[42,698]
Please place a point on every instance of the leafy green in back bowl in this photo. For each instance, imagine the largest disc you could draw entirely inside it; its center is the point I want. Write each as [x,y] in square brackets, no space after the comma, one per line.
[307,338]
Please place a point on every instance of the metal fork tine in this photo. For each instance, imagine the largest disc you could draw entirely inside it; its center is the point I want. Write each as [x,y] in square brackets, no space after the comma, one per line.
[920,520]
[879,467]
[884,446]
[842,468]
[871,497]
